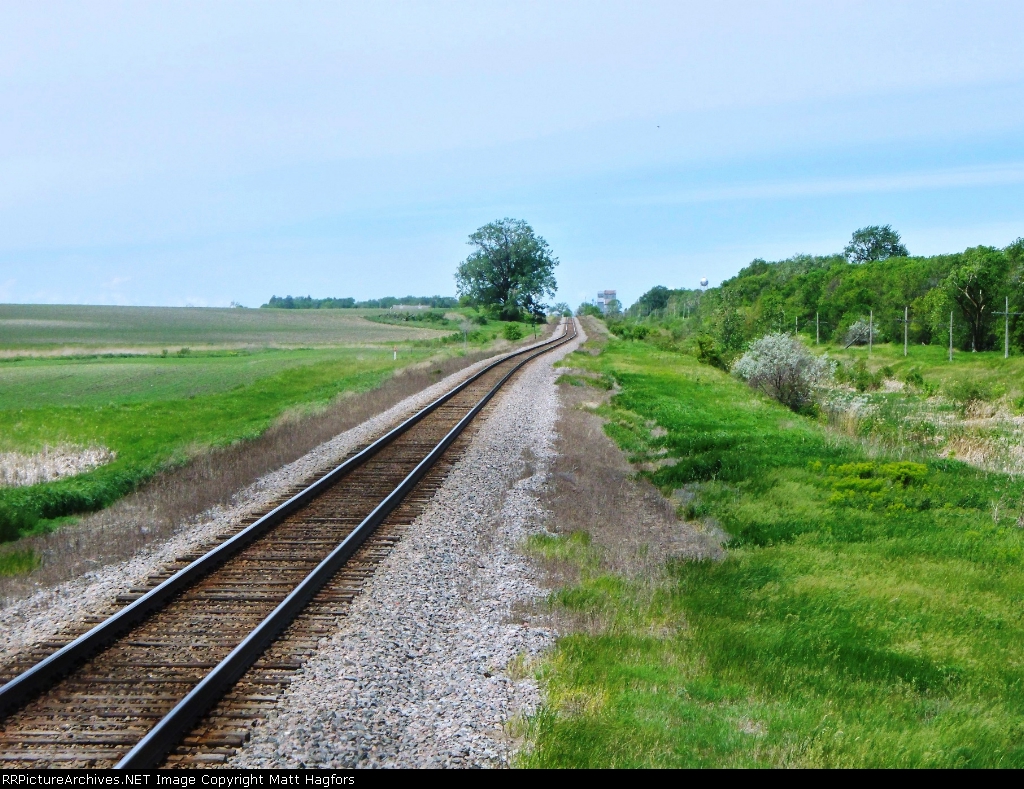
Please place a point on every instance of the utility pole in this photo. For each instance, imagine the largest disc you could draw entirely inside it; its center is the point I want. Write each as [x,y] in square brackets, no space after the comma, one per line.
[951,335]
[906,323]
[1006,335]
[871,330]
[817,333]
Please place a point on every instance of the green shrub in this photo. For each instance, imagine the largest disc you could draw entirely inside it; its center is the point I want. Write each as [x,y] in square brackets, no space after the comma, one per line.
[965,392]
[913,377]
[708,353]
[859,376]
[629,331]
[904,472]
[512,332]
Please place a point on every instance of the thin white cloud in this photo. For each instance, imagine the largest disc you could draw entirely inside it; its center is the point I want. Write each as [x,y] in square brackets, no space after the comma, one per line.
[961,177]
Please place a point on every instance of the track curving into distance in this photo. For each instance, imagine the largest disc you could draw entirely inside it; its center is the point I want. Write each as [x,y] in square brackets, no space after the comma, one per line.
[128,692]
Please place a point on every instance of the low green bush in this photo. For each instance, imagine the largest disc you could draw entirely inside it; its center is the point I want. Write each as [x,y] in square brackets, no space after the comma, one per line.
[629,331]
[913,378]
[708,353]
[965,392]
[512,332]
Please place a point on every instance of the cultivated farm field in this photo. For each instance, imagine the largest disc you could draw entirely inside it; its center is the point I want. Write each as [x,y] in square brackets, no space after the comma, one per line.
[42,328]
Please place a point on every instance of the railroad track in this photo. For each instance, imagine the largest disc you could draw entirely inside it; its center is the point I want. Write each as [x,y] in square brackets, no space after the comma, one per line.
[180,674]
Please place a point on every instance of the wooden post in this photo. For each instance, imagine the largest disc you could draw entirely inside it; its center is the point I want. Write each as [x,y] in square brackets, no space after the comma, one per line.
[906,323]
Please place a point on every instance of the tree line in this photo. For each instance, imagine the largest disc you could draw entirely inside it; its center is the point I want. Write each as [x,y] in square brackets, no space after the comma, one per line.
[875,279]
[309,303]
[508,274]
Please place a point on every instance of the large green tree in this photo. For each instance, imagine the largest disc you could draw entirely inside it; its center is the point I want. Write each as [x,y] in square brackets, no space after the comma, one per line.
[510,270]
[655,299]
[876,242]
[975,285]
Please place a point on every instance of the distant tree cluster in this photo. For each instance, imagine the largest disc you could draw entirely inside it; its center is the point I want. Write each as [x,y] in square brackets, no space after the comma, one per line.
[309,303]
[873,279]
[586,308]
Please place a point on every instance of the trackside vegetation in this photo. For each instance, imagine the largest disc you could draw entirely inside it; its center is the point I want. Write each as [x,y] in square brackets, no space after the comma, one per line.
[823,297]
[868,612]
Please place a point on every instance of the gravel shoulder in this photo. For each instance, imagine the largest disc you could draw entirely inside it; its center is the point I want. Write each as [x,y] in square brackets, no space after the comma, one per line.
[51,610]
[423,671]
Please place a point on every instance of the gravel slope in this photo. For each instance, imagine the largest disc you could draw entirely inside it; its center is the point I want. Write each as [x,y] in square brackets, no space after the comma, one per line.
[416,675]
[38,617]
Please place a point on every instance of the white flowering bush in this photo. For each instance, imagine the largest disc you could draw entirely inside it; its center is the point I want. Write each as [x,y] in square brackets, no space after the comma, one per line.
[780,366]
[859,333]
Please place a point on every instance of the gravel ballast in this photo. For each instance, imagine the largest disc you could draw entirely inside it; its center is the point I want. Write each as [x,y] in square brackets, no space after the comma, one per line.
[418,673]
[50,610]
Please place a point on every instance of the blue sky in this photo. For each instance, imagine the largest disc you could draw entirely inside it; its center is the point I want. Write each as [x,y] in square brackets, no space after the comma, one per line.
[206,153]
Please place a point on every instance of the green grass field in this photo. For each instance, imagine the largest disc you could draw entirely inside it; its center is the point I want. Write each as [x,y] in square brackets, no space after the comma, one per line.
[105,380]
[868,613]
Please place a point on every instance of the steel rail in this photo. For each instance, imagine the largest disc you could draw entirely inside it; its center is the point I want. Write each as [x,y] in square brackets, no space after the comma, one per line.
[48,671]
[165,735]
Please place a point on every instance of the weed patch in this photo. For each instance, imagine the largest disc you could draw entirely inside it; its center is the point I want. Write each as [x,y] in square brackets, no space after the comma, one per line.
[18,562]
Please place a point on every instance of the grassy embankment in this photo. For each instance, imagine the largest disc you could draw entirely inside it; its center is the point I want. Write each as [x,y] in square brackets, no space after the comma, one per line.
[868,613]
[154,409]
